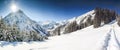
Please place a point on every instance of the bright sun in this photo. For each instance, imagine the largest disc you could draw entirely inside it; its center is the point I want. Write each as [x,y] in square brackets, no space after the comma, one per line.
[14,8]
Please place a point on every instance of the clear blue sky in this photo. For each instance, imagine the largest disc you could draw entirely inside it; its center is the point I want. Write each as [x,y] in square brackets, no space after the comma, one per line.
[57,10]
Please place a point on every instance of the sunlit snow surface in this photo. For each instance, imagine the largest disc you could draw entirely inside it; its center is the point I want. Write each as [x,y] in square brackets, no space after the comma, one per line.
[103,38]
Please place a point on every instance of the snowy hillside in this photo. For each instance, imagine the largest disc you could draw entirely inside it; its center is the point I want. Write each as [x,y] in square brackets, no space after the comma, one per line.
[103,38]
[84,17]
[97,17]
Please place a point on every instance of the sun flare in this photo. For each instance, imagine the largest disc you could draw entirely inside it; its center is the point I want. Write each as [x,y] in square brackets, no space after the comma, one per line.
[14,8]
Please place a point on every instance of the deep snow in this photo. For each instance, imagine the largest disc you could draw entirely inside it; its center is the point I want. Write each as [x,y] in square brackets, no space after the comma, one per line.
[103,38]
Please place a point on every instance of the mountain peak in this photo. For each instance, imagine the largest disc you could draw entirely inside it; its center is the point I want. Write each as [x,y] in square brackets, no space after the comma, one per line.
[19,11]
[17,16]
[22,21]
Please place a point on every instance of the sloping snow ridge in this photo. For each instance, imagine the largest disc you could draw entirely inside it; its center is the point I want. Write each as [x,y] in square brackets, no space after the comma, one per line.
[85,16]
[89,38]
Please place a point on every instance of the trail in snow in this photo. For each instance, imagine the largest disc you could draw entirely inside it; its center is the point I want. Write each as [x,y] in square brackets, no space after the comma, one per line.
[110,41]
[106,40]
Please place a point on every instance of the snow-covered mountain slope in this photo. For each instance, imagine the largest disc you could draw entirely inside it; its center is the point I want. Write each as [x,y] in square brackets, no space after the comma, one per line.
[84,17]
[97,17]
[102,38]
[20,20]
[79,22]
[73,24]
